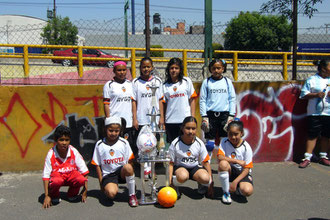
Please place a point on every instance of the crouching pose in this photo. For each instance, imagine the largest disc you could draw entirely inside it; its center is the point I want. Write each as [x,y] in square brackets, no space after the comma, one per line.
[113,157]
[235,163]
[187,152]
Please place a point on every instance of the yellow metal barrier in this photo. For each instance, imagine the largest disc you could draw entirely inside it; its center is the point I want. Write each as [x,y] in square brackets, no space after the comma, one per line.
[234,61]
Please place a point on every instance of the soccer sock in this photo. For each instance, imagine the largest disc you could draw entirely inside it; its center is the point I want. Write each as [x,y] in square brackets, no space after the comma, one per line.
[323,155]
[130,180]
[224,179]
[175,181]
[308,156]
[207,184]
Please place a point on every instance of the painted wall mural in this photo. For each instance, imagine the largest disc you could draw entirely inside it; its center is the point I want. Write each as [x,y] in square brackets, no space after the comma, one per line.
[273,115]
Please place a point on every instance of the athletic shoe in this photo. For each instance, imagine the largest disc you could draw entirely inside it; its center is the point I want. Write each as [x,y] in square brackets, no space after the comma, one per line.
[73,198]
[56,201]
[226,198]
[176,188]
[305,163]
[202,189]
[133,202]
[325,161]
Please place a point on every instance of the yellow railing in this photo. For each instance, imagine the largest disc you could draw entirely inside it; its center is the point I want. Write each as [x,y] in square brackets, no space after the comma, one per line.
[26,56]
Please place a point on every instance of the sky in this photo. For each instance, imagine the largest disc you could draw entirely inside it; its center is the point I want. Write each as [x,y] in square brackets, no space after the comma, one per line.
[190,11]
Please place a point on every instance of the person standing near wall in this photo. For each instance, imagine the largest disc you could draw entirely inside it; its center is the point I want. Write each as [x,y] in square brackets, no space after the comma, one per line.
[317,91]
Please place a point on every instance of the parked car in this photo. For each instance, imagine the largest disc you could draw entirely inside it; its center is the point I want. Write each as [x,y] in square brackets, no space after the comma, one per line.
[86,53]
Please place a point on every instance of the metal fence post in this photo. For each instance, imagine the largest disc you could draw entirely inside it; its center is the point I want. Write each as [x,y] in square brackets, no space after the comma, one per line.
[185,62]
[133,63]
[235,66]
[285,66]
[26,60]
[80,62]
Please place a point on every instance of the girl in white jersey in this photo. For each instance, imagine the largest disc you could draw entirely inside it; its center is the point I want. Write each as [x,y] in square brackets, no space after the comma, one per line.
[113,160]
[235,163]
[217,103]
[179,98]
[187,152]
[117,100]
[317,90]
[142,100]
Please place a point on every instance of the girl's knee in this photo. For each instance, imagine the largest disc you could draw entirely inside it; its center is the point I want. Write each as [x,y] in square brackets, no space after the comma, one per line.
[246,189]
[128,170]
[223,166]
[182,177]
[111,192]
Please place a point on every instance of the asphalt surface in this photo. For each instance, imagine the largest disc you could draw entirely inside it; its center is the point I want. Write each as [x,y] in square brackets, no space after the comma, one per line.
[282,191]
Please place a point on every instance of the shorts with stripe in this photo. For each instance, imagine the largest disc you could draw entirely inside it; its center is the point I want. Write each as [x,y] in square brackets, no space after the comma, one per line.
[114,177]
[236,172]
[191,171]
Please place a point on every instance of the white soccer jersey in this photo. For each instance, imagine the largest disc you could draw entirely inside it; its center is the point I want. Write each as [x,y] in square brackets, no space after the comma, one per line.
[110,158]
[188,156]
[143,96]
[72,161]
[119,98]
[243,152]
[176,97]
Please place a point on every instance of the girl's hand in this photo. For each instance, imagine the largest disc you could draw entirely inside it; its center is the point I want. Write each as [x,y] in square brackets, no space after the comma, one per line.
[47,202]
[136,124]
[84,196]
[161,123]
[233,187]
[329,94]
[205,124]
[321,95]
[210,191]
[242,163]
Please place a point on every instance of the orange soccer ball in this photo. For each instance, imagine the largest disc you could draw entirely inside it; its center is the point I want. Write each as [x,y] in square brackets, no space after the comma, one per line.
[167,197]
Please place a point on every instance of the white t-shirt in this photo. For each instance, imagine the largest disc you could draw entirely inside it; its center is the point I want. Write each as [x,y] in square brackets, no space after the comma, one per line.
[110,158]
[142,94]
[119,98]
[188,156]
[243,152]
[176,97]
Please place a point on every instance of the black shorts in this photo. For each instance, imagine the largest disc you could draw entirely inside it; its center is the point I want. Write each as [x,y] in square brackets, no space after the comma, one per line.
[113,178]
[172,131]
[217,120]
[191,171]
[318,125]
[236,172]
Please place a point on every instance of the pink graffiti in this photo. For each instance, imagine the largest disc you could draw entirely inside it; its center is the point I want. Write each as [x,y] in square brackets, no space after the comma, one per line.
[274,123]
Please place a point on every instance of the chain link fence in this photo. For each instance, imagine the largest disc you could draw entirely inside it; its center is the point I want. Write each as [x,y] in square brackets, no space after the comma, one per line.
[167,33]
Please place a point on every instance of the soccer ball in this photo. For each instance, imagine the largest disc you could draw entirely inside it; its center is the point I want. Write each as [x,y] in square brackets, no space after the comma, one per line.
[146,142]
[167,197]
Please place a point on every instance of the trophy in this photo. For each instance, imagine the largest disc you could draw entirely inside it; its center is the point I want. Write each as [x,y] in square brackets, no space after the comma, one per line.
[153,154]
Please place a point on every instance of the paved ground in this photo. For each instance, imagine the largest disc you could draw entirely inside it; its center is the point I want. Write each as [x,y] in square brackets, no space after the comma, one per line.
[282,191]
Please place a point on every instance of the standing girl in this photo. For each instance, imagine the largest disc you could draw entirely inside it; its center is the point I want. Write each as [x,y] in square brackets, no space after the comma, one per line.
[187,152]
[179,98]
[317,90]
[142,99]
[235,163]
[117,99]
[217,103]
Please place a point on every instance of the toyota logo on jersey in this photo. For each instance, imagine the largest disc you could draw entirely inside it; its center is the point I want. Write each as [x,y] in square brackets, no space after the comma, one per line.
[112,152]
[123,88]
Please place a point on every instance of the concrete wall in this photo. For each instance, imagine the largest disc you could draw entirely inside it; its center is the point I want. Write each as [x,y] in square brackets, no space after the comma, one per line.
[272,114]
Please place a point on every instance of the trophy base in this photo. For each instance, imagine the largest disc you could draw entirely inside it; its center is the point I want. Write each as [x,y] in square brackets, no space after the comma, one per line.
[147,200]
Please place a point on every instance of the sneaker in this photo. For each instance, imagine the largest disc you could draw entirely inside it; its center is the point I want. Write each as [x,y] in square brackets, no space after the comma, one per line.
[202,190]
[133,202]
[56,201]
[73,198]
[325,161]
[176,188]
[305,163]
[226,198]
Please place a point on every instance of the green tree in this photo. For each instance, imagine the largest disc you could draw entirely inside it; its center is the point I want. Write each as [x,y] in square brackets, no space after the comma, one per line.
[60,31]
[284,7]
[256,32]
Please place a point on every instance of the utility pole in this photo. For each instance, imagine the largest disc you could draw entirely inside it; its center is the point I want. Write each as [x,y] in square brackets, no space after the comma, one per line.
[147,27]
[54,10]
[133,16]
[294,38]
[126,26]
[207,34]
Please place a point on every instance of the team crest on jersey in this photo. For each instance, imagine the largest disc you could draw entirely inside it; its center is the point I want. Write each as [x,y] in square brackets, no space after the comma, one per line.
[175,88]
[233,155]
[112,152]
[126,136]
[147,87]
[188,153]
[123,88]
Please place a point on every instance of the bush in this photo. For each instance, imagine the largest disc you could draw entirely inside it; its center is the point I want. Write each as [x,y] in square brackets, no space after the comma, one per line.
[156,53]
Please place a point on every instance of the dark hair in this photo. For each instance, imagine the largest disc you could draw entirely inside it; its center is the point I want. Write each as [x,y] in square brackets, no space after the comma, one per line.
[321,64]
[60,131]
[187,120]
[238,124]
[223,62]
[144,59]
[172,61]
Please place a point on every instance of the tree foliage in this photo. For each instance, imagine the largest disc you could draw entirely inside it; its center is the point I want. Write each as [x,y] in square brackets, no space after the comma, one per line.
[256,32]
[284,7]
[60,31]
